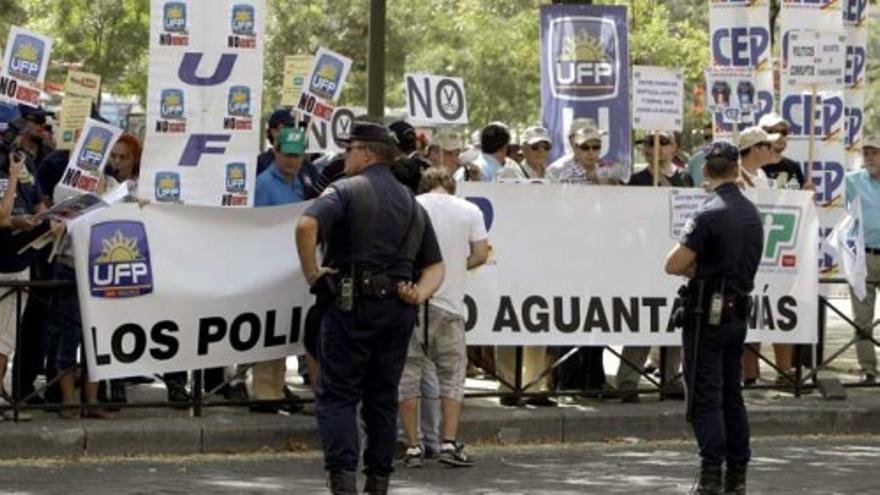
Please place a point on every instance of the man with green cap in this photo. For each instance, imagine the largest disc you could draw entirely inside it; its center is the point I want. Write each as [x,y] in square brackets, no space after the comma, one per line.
[282,183]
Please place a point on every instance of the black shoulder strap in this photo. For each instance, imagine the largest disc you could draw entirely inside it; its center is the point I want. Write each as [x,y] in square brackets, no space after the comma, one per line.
[414,233]
[365,205]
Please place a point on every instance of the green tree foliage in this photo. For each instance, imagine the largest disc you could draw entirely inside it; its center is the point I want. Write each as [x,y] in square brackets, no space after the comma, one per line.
[106,37]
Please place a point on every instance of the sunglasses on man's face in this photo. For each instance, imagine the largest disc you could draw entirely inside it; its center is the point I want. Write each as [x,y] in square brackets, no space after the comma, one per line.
[649,142]
[540,147]
[590,147]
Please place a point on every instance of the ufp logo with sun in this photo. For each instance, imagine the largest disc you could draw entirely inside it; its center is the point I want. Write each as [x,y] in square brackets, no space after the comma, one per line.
[27,57]
[119,260]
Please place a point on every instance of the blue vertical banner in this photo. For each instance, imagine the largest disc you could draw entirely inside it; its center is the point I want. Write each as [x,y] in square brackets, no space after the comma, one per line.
[585,74]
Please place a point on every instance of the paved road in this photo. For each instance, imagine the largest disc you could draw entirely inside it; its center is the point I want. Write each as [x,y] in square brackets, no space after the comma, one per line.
[816,465]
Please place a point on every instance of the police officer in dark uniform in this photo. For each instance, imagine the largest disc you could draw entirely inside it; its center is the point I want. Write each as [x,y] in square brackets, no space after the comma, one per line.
[719,252]
[380,261]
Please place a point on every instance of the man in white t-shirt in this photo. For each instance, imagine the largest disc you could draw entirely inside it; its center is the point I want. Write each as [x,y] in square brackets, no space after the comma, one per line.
[464,244]
[755,151]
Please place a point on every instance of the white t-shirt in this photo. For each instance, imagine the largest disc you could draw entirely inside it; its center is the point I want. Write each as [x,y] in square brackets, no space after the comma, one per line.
[457,223]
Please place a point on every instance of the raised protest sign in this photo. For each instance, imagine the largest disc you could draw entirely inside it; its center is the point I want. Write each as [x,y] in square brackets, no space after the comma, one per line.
[328,137]
[203,102]
[739,37]
[175,288]
[658,98]
[435,100]
[323,84]
[585,74]
[815,58]
[80,90]
[732,94]
[88,159]
[24,66]
[296,69]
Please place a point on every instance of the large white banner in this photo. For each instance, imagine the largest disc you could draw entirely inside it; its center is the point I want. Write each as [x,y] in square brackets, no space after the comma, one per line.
[166,288]
[170,288]
[855,21]
[203,102]
[574,265]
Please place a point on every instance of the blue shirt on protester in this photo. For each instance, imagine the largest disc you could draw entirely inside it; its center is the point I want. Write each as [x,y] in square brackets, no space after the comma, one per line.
[273,189]
[859,183]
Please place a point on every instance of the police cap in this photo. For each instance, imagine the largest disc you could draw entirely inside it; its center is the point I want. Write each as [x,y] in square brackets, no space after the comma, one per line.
[370,132]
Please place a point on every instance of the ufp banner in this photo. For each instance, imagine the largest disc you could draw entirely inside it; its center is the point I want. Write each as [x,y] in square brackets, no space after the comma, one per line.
[24,66]
[585,74]
[601,279]
[171,288]
[204,102]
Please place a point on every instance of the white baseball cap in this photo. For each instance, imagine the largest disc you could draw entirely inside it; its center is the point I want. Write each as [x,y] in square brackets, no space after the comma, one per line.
[535,134]
[754,135]
[771,120]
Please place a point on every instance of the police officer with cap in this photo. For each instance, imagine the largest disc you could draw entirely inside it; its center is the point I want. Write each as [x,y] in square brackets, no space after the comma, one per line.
[380,261]
[719,253]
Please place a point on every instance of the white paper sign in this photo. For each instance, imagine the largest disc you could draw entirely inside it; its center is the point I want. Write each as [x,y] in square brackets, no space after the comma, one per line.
[24,66]
[324,84]
[732,93]
[328,137]
[658,98]
[89,157]
[815,58]
[435,100]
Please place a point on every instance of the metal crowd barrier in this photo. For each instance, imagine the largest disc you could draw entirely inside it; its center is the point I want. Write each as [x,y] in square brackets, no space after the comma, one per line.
[798,381]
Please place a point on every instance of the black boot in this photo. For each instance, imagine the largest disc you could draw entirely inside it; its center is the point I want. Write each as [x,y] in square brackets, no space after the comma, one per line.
[735,479]
[710,481]
[342,482]
[376,484]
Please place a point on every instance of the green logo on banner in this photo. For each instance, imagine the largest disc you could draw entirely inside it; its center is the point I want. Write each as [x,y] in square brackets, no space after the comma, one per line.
[780,235]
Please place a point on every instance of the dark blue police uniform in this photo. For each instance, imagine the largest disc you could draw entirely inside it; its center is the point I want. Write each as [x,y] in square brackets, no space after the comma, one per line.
[727,235]
[364,223]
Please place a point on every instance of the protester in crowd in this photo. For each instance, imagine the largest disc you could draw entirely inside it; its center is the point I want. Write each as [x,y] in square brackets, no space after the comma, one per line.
[8,187]
[281,184]
[865,185]
[409,166]
[494,140]
[670,175]
[535,147]
[35,139]
[392,267]
[634,357]
[719,252]
[584,369]
[21,201]
[560,163]
[440,337]
[698,159]
[444,150]
[756,151]
[783,172]
[279,119]
[124,165]
[586,168]
[65,323]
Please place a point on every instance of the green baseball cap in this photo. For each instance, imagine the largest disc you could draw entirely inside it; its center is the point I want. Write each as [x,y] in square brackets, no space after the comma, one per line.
[291,141]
